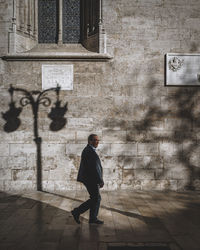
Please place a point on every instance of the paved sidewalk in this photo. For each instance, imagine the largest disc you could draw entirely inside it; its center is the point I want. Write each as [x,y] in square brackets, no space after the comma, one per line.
[41,220]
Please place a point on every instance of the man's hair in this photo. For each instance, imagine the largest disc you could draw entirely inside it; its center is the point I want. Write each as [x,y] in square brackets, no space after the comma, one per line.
[90,137]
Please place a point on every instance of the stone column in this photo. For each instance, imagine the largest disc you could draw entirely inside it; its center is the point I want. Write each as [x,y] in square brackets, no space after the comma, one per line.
[26,16]
[14,16]
[21,15]
[35,30]
[12,32]
[60,25]
[29,16]
[102,33]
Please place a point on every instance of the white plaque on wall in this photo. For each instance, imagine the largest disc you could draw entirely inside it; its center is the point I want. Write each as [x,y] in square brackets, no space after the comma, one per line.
[56,74]
[183,69]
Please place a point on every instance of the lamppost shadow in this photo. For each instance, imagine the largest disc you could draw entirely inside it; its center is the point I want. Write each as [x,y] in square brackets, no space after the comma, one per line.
[35,99]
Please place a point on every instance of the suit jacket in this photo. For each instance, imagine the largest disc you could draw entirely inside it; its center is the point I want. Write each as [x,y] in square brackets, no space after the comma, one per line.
[90,170]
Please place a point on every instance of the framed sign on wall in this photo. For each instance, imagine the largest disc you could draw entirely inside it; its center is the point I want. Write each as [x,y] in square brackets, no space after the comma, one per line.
[56,74]
[182,69]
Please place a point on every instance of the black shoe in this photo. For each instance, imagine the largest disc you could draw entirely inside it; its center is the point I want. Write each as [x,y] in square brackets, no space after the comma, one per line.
[99,222]
[76,216]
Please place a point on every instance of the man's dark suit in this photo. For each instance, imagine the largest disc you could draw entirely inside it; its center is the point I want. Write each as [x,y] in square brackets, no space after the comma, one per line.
[90,174]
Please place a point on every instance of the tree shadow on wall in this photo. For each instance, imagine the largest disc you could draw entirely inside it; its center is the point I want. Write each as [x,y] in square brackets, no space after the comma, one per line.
[174,123]
[35,99]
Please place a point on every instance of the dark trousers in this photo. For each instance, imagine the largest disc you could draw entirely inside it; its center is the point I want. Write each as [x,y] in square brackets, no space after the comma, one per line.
[93,203]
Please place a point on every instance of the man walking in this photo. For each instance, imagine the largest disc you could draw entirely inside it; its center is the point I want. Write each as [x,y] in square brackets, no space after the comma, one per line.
[91,175]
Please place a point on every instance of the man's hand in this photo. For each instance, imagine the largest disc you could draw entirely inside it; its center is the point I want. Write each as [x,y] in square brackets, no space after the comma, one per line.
[101,184]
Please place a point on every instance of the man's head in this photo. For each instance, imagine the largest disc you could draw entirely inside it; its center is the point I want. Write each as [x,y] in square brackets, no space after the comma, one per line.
[93,140]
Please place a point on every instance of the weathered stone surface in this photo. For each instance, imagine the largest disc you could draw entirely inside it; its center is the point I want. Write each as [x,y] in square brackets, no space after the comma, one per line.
[5,174]
[17,162]
[169,149]
[21,149]
[74,149]
[4,162]
[4,149]
[115,136]
[123,149]
[148,149]
[23,175]
[149,133]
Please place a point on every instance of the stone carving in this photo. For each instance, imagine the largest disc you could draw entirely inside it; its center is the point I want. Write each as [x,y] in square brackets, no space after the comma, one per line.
[175,63]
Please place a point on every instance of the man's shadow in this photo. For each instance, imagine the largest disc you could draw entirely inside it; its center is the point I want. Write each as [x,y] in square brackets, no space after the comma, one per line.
[126,213]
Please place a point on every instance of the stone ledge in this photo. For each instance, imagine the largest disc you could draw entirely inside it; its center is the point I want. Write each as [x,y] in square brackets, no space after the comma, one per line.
[56,56]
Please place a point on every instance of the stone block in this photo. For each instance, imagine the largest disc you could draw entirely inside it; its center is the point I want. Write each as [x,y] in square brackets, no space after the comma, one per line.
[162,174]
[114,136]
[66,163]
[175,162]
[4,149]
[196,184]
[5,174]
[110,162]
[23,175]
[74,149]
[63,185]
[167,45]
[136,185]
[111,174]
[19,185]
[21,149]
[141,174]
[128,175]
[31,161]
[136,136]
[114,123]
[53,149]
[127,162]
[178,124]
[2,66]
[63,136]
[111,185]
[58,174]
[17,162]
[143,162]
[150,185]
[104,149]
[129,186]
[148,149]
[4,162]
[169,185]
[180,174]
[185,184]
[123,149]
[170,149]
[192,23]
[80,122]
[45,174]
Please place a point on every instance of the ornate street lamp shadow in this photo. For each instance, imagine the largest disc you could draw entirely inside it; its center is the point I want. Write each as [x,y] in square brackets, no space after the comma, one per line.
[35,99]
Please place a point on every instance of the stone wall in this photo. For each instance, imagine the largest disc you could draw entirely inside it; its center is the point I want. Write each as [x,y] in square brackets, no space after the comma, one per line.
[149,133]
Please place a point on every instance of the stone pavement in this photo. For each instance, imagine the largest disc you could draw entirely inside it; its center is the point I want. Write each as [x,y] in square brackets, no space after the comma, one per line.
[41,220]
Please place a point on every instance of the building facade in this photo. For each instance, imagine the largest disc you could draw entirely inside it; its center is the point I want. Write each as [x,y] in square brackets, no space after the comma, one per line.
[149,132]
